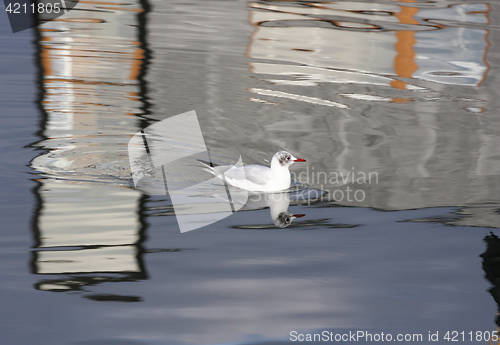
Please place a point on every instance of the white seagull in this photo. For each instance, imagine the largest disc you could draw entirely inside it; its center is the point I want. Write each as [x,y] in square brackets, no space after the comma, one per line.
[256,177]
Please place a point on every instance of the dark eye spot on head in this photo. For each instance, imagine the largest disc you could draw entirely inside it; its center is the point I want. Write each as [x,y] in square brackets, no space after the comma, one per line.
[283,220]
[284,158]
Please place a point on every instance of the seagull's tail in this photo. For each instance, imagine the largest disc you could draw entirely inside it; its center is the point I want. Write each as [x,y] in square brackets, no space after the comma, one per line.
[209,166]
[215,169]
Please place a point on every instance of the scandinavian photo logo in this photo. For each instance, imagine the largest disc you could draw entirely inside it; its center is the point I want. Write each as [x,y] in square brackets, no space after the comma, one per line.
[163,154]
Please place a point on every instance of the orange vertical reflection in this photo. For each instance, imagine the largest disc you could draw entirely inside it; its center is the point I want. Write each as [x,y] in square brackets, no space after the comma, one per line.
[45,60]
[138,58]
[404,63]
[486,39]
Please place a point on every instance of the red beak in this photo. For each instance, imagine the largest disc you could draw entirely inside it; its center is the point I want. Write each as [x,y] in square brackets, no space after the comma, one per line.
[299,215]
[299,160]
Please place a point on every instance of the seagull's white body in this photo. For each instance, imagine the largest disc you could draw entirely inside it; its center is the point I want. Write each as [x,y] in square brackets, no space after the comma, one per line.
[258,178]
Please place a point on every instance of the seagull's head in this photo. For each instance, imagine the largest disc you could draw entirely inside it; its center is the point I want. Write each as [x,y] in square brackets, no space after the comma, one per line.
[285,159]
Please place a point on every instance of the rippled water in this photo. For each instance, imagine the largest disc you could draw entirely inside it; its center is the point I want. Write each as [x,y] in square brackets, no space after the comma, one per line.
[392,104]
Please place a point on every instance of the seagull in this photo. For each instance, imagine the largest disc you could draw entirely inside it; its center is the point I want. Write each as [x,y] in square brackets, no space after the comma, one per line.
[256,177]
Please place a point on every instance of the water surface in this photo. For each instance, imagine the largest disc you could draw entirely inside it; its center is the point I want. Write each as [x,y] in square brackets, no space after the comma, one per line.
[401,93]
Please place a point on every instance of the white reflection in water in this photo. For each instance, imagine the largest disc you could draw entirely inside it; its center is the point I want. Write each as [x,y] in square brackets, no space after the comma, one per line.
[302,98]
[88,220]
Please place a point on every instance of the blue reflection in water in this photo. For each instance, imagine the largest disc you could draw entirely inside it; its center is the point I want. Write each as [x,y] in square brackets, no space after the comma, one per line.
[401,90]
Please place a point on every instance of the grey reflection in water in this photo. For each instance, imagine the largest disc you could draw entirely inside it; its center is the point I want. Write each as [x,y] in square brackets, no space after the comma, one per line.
[89,226]
[389,73]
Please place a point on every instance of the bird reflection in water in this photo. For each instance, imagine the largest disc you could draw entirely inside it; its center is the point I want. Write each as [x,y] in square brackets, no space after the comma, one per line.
[285,218]
[278,204]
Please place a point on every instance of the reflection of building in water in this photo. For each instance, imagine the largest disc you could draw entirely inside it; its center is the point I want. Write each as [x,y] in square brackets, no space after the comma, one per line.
[365,43]
[491,266]
[88,222]
[431,143]
[334,55]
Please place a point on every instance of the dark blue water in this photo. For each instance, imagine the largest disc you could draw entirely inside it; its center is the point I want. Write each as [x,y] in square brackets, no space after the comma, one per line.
[403,90]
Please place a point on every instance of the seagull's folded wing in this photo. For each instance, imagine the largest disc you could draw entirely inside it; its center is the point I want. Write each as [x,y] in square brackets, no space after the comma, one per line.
[257,174]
